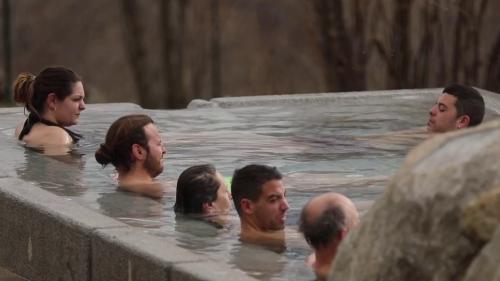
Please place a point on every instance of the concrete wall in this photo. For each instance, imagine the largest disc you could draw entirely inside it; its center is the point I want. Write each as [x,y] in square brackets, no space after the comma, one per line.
[46,237]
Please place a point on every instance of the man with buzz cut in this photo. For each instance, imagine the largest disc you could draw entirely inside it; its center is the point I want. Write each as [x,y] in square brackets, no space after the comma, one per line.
[259,198]
[456,108]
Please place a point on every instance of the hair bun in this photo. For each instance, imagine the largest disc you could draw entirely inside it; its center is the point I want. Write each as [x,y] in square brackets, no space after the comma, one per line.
[23,87]
[103,155]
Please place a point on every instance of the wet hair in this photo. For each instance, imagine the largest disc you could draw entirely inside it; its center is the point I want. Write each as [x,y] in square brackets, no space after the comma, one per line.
[32,91]
[469,102]
[196,185]
[248,181]
[324,229]
[122,134]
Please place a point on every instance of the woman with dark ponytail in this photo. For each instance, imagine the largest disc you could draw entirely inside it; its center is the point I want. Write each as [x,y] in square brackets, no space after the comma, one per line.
[54,99]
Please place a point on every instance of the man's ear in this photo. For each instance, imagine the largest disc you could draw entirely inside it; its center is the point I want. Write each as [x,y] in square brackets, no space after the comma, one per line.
[333,244]
[463,121]
[138,152]
[207,207]
[51,101]
[342,234]
[247,206]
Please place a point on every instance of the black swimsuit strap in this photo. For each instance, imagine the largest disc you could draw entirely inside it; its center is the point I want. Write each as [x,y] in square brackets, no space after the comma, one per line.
[33,119]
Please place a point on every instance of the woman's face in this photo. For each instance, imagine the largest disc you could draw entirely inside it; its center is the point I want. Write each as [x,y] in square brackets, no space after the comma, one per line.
[222,204]
[67,111]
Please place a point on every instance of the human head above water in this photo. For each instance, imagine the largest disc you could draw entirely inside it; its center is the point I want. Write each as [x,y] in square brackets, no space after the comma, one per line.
[326,218]
[52,84]
[457,107]
[121,137]
[259,196]
[201,190]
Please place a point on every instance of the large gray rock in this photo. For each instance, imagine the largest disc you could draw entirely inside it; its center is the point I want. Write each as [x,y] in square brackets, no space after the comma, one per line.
[482,216]
[481,219]
[416,230]
[485,265]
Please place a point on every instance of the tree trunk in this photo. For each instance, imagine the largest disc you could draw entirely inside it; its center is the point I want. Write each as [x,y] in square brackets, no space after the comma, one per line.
[7,51]
[423,60]
[476,35]
[343,54]
[400,44]
[215,49]
[493,70]
[359,46]
[134,44]
[457,62]
[322,10]
[172,17]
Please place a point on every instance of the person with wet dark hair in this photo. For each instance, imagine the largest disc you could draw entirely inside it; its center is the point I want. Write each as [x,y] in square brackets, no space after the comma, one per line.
[259,198]
[201,190]
[325,220]
[134,146]
[456,108]
[54,99]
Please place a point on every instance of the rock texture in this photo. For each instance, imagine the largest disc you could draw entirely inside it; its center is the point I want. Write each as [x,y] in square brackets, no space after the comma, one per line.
[425,226]
[482,216]
[485,265]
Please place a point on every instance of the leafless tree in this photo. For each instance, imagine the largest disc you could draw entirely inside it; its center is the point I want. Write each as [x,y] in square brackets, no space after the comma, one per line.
[136,51]
[343,49]
[7,55]
[172,26]
[215,48]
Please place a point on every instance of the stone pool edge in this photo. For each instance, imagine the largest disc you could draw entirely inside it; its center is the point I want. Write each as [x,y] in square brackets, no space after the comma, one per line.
[47,237]
[492,99]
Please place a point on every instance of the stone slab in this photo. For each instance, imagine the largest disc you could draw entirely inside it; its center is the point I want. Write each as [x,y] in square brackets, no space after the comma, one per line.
[310,98]
[45,237]
[129,254]
[485,265]
[207,270]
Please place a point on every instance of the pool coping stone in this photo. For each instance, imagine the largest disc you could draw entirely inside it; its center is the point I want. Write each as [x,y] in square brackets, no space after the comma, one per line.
[47,237]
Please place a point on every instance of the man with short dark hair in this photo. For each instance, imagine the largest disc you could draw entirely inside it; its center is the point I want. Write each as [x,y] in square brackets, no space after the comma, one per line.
[259,198]
[456,108]
[325,221]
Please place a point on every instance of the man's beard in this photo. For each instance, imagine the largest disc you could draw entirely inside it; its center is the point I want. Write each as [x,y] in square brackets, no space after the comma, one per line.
[153,166]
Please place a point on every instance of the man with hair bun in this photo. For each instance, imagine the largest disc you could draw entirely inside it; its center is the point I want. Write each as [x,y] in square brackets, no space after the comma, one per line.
[325,221]
[133,145]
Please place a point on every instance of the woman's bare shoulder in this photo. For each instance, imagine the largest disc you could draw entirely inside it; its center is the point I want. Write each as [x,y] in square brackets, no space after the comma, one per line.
[47,135]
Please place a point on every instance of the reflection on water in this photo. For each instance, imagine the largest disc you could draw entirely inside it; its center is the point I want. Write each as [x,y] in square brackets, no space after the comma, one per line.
[132,208]
[60,174]
[346,146]
[258,263]
[223,244]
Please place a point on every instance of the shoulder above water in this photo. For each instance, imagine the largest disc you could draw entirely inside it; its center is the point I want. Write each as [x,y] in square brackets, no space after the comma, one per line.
[43,135]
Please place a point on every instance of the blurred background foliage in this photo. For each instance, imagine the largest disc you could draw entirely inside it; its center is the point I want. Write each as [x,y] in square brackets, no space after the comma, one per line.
[163,53]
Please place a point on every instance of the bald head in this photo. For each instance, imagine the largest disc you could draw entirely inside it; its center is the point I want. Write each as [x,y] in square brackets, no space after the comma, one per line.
[325,217]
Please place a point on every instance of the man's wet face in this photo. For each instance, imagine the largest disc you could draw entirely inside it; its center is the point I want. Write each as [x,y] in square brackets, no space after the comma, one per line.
[156,151]
[443,115]
[272,206]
